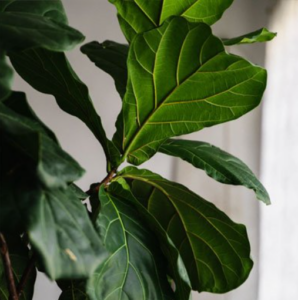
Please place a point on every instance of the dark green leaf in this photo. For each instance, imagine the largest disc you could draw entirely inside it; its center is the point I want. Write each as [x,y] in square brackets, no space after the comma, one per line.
[19,31]
[176,268]
[50,73]
[73,290]
[6,76]
[218,164]
[110,57]
[19,104]
[19,255]
[59,229]
[215,250]
[78,192]
[137,16]
[134,269]
[53,166]
[259,36]
[48,8]
[180,80]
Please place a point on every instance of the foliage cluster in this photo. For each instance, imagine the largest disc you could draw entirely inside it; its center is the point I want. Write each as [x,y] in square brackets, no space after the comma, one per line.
[144,237]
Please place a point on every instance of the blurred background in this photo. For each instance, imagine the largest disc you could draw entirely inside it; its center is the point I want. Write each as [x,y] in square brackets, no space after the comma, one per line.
[265,139]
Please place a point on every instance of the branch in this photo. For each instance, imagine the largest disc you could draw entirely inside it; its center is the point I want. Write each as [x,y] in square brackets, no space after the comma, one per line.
[30,266]
[8,269]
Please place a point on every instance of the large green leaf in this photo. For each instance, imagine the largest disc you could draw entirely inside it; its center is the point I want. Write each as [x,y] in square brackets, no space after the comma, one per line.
[6,75]
[134,269]
[50,72]
[58,226]
[259,36]
[110,57]
[53,166]
[40,23]
[215,250]
[19,255]
[217,163]
[19,31]
[176,269]
[48,8]
[137,16]
[180,80]
[19,104]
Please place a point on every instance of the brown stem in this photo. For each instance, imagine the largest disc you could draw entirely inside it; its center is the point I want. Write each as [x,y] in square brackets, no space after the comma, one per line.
[8,269]
[30,266]
[95,188]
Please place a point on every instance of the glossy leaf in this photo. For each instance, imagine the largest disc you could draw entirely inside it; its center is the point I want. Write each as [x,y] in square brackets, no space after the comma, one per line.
[50,73]
[215,250]
[180,80]
[110,57]
[217,163]
[6,75]
[53,166]
[19,255]
[134,269]
[137,16]
[259,36]
[175,265]
[19,31]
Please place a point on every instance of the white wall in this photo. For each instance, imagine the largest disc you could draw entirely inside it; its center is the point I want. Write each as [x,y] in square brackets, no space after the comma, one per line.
[97,20]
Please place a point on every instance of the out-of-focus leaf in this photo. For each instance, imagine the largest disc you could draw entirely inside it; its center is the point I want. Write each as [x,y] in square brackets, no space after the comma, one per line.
[59,228]
[259,36]
[217,163]
[48,8]
[6,75]
[137,16]
[19,31]
[180,80]
[53,166]
[110,57]
[134,269]
[214,249]
[50,73]
[73,290]
[19,256]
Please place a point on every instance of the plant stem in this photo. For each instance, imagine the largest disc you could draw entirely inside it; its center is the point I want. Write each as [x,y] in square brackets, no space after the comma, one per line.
[8,268]
[30,266]
[95,188]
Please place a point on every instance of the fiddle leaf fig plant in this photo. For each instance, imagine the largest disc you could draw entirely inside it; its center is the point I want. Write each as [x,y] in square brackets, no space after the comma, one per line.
[142,236]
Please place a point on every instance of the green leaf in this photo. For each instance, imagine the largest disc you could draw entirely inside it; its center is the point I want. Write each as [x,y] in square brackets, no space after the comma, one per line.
[176,269]
[59,229]
[25,24]
[215,250]
[137,16]
[19,31]
[180,80]
[73,290]
[47,8]
[259,36]
[6,76]
[53,166]
[110,57]
[217,163]
[19,104]
[19,255]
[134,269]
[50,73]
